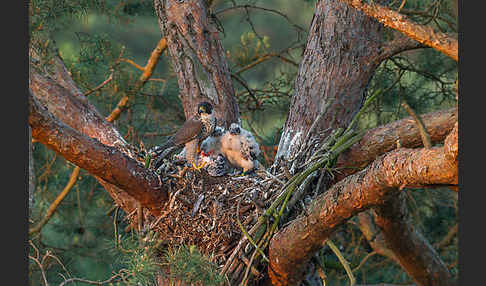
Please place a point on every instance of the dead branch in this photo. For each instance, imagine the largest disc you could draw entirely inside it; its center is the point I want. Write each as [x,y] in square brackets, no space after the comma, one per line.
[148,70]
[367,188]
[442,42]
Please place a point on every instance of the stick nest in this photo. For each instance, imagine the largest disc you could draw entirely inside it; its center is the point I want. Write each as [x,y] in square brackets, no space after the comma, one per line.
[202,210]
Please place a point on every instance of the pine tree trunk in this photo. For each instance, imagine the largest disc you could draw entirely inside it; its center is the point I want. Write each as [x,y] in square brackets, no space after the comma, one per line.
[340,58]
[197,57]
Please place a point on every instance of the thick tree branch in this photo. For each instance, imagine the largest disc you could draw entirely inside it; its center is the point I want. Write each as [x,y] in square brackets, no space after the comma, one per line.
[444,43]
[67,103]
[370,187]
[416,256]
[58,92]
[98,159]
[73,109]
[383,139]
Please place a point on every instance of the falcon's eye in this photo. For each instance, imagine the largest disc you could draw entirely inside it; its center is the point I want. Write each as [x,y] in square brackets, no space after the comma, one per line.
[205,107]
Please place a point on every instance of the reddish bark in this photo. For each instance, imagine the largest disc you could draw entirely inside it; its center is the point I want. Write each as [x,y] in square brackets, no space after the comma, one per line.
[73,109]
[197,57]
[383,139]
[101,160]
[370,187]
[60,95]
[442,42]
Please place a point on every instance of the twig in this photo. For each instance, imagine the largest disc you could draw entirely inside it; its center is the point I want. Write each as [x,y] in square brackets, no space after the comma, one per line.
[53,207]
[139,67]
[247,6]
[420,125]
[147,73]
[246,233]
[364,260]
[41,268]
[248,268]
[100,85]
[111,279]
[243,83]
[448,238]
[352,280]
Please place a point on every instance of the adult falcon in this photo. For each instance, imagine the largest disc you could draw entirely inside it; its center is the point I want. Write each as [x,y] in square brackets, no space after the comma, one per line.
[193,131]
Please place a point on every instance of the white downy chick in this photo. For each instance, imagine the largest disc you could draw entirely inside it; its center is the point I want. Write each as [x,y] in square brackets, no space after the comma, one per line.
[239,146]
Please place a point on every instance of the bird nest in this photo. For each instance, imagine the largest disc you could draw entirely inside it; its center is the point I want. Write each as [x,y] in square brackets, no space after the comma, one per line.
[212,212]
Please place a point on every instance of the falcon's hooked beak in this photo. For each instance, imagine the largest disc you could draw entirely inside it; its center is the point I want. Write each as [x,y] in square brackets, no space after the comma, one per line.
[206,154]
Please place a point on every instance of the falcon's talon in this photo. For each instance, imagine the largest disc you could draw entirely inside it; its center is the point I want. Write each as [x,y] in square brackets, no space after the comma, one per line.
[198,167]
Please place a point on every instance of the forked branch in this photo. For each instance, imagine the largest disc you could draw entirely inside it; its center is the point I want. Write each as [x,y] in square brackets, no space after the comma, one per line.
[370,187]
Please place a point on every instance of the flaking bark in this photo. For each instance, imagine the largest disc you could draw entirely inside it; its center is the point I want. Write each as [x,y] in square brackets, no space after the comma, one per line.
[382,139]
[198,58]
[370,187]
[338,62]
[61,96]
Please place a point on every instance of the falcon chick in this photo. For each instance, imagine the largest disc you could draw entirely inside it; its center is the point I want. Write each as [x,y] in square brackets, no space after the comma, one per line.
[240,148]
[191,134]
[214,161]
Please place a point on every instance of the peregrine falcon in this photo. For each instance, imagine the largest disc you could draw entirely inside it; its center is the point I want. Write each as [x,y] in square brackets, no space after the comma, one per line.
[191,134]
[240,148]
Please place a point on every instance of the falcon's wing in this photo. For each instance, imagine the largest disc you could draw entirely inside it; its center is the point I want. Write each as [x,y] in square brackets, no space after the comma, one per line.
[189,130]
